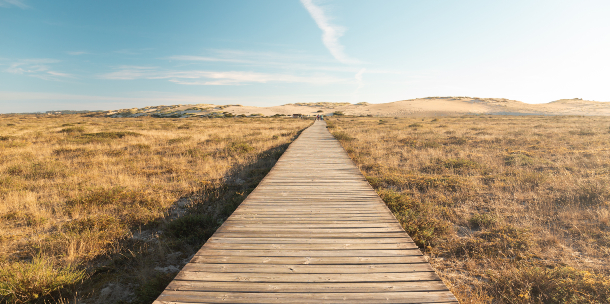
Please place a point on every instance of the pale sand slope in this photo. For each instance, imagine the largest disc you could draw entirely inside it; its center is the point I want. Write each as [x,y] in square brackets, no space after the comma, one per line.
[431,106]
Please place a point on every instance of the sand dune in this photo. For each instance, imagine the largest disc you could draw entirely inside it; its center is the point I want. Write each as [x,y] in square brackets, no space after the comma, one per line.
[431,106]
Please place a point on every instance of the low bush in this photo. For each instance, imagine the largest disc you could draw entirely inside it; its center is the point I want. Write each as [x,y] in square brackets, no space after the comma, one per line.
[28,281]
[239,148]
[111,135]
[527,283]
[342,136]
[73,130]
[192,228]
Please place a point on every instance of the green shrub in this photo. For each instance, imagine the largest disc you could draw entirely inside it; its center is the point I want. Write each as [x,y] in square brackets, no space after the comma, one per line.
[192,228]
[178,140]
[343,136]
[482,220]
[72,130]
[419,219]
[529,283]
[586,195]
[116,197]
[111,135]
[458,165]
[25,282]
[454,140]
[418,182]
[73,153]
[239,148]
[518,159]
[39,170]
[505,242]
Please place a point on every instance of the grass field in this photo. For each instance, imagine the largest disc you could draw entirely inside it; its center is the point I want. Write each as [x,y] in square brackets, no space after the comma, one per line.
[106,210]
[510,209]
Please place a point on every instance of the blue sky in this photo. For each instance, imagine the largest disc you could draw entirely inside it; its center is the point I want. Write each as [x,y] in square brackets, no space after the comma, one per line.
[110,54]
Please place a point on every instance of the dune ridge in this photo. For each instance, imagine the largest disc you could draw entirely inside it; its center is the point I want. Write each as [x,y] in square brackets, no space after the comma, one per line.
[430,106]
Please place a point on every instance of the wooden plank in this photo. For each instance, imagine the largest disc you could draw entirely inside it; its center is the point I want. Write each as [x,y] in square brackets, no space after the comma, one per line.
[283,260]
[175,297]
[304,246]
[265,268]
[306,287]
[305,277]
[330,241]
[313,231]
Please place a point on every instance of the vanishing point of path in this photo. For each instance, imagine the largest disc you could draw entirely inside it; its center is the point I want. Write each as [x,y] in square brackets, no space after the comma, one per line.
[313,231]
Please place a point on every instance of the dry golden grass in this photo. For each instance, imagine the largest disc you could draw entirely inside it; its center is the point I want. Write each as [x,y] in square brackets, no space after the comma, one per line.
[509,209]
[104,210]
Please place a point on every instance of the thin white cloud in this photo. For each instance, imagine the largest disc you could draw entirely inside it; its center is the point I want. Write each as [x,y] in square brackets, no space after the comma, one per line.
[17,3]
[76,53]
[330,32]
[39,68]
[202,77]
[209,59]
[289,61]
[358,78]
[131,72]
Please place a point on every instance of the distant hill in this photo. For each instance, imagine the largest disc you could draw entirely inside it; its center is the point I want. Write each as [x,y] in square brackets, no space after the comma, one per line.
[430,106]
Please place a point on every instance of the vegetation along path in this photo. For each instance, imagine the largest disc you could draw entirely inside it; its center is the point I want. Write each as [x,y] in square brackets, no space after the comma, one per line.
[312,231]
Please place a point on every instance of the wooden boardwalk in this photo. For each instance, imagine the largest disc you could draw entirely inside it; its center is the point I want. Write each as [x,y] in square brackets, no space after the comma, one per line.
[313,231]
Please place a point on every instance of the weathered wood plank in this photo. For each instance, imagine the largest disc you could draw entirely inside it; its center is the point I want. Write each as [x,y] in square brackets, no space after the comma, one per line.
[263,268]
[313,231]
[304,246]
[306,287]
[170,296]
[283,260]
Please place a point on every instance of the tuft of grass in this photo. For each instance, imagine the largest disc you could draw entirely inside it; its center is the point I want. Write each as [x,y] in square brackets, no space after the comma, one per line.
[73,130]
[132,206]
[73,152]
[39,170]
[178,140]
[518,159]
[24,218]
[459,165]
[529,283]
[415,125]
[416,217]
[454,140]
[420,183]
[111,135]
[505,242]
[583,133]
[482,220]
[24,282]
[192,228]
[342,136]
[239,148]
[588,194]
